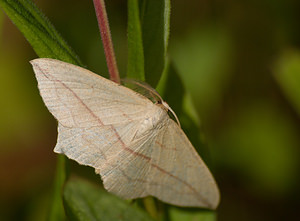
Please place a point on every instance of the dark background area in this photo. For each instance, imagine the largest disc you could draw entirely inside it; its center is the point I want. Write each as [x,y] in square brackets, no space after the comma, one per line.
[239,62]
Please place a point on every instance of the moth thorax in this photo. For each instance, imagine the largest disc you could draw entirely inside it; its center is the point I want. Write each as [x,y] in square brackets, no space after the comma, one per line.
[154,121]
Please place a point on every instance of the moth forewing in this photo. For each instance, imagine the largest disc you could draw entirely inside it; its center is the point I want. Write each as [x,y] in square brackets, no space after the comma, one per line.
[130,141]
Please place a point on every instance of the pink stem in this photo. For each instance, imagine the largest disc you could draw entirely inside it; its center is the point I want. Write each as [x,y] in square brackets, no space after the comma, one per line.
[106,40]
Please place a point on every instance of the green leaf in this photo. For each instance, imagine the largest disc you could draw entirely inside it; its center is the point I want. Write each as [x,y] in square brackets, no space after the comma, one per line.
[170,87]
[173,92]
[155,20]
[287,73]
[39,32]
[46,42]
[135,67]
[177,214]
[56,210]
[83,201]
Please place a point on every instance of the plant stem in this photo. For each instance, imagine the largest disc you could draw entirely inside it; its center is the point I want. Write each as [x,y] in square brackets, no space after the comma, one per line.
[106,40]
[56,211]
[150,207]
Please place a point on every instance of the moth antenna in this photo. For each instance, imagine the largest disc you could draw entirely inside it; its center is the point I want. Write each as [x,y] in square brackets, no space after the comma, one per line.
[173,113]
[145,86]
[153,91]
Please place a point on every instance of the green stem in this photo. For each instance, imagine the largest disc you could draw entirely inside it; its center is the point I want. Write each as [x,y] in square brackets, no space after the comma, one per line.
[106,40]
[150,207]
[57,210]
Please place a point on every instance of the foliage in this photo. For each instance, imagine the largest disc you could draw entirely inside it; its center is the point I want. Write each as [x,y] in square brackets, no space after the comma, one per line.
[148,31]
[84,201]
[230,71]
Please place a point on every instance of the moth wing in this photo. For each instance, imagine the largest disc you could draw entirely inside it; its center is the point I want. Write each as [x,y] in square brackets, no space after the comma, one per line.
[97,122]
[121,160]
[80,98]
[91,146]
[178,175]
[126,175]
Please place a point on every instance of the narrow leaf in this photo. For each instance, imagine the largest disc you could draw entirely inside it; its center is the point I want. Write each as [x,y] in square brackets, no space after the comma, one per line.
[155,17]
[84,201]
[172,90]
[46,42]
[56,210]
[37,29]
[177,214]
[135,67]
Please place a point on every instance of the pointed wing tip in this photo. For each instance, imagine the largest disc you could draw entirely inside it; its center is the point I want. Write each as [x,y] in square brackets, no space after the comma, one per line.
[38,61]
[39,65]
[34,62]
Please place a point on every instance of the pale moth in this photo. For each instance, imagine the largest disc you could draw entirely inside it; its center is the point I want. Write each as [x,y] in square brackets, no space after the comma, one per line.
[133,144]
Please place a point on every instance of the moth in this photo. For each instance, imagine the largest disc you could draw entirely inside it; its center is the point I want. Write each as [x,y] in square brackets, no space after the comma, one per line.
[133,144]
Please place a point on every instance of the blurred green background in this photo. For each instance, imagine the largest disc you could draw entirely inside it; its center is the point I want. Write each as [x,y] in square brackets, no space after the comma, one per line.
[239,62]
